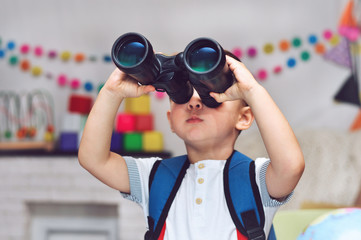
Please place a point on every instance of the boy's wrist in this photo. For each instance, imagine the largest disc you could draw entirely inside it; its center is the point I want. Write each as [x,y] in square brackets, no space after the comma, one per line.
[254,93]
[111,96]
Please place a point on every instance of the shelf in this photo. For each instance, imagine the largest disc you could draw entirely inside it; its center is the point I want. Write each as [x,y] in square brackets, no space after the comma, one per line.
[58,153]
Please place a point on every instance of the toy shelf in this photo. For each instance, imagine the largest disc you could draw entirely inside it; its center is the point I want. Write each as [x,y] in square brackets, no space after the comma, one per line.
[40,150]
[27,145]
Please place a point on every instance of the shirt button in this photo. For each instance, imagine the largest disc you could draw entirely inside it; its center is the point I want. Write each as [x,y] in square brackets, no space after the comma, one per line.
[201,165]
[200,180]
[199,201]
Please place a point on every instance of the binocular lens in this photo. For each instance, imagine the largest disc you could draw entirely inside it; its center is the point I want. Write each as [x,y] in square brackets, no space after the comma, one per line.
[203,59]
[130,53]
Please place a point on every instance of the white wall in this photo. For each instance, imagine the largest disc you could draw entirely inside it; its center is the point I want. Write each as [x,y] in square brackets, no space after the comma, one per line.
[304,93]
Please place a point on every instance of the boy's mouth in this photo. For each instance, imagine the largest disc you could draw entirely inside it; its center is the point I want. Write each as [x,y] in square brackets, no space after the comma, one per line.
[194,119]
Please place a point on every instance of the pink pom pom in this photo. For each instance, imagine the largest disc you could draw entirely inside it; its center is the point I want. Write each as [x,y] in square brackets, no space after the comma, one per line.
[75,83]
[237,52]
[277,69]
[52,54]
[24,49]
[38,51]
[327,34]
[262,74]
[252,52]
[62,80]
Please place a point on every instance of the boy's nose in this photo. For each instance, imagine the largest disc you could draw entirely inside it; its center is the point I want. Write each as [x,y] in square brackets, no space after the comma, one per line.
[195,103]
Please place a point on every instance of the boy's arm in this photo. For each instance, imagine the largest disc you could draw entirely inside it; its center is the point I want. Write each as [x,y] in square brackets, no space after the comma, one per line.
[287,163]
[94,150]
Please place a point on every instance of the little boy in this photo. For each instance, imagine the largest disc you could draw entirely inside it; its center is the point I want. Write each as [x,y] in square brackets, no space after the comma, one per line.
[199,210]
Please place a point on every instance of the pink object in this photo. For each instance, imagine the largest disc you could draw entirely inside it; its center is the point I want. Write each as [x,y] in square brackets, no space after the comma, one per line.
[262,74]
[52,54]
[354,34]
[237,52]
[351,33]
[75,83]
[252,52]
[327,34]
[24,49]
[160,95]
[38,51]
[125,122]
[277,69]
[62,80]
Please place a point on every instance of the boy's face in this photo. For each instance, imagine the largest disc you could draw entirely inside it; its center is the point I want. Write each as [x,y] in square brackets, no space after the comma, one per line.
[196,123]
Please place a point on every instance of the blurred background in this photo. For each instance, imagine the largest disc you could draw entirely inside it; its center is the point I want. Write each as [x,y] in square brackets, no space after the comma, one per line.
[55,56]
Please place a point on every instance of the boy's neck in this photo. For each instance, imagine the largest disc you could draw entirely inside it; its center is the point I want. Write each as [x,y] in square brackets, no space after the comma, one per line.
[196,154]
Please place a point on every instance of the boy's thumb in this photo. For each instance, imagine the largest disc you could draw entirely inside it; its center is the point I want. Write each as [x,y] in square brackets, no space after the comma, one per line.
[219,97]
[148,88]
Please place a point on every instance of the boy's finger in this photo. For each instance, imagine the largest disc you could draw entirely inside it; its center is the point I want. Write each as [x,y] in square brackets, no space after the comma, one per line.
[147,88]
[219,97]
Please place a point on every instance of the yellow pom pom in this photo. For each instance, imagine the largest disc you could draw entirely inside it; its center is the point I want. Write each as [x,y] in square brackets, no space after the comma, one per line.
[335,40]
[268,48]
[36,71]
[65,56]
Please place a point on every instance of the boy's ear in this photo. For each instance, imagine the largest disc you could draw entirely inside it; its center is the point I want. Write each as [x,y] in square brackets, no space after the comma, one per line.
[245,119]
[170,123]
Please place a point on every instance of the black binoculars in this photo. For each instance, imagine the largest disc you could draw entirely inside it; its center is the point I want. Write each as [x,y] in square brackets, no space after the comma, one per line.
[201,66]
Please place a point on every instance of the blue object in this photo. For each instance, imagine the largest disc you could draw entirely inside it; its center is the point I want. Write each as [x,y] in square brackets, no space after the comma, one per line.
[343,223]
[88,86]
[68,141]
[107,59]
[312,39]
[291,62]
[241,192]
[11,45]
[2,53]
[116,144]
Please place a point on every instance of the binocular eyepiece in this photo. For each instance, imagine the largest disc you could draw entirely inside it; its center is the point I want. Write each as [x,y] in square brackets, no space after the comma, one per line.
[201,66]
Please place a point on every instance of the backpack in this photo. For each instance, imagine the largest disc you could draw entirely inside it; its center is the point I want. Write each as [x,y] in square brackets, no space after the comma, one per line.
[240,188]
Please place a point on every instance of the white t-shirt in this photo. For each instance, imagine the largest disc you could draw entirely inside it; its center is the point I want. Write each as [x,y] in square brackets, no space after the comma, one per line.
[199,210]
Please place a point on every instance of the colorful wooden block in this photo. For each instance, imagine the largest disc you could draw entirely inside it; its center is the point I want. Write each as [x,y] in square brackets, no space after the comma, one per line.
[125,122]
[68,141]
[132,142]
[139,105]
[80,104]
[116,144]
[152,141]
[144,122]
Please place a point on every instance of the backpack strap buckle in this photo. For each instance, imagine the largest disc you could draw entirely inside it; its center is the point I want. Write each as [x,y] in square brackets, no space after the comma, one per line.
[251,225]
[256,234]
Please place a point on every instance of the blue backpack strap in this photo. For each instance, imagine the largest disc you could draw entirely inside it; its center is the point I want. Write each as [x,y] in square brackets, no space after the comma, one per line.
[242,196]
[164,181]
[272,234]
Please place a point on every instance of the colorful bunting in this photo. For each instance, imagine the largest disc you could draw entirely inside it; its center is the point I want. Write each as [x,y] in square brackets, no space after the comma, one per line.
[340,54]
[349,92]
[356,125]
[348,24]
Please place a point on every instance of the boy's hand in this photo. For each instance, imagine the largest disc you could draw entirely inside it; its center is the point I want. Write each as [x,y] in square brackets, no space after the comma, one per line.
[122,85]
[244,84]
